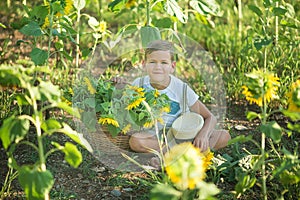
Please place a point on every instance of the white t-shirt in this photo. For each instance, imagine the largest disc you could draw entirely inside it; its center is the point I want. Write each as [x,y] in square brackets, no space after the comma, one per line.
[175,92]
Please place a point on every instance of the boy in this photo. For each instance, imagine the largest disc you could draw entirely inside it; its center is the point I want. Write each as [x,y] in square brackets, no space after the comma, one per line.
[159,65]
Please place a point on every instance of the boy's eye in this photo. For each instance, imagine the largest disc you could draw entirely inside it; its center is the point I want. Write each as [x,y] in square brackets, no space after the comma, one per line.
[165,63]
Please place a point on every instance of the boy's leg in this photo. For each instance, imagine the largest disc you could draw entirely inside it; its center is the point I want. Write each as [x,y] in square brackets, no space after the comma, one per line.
[143,142]
[219,139]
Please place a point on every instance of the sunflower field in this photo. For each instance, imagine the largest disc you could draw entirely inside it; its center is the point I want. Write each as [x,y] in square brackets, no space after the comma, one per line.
[63,120]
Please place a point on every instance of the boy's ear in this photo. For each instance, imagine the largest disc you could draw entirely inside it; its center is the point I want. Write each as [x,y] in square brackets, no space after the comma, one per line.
[173,65]
[144,64]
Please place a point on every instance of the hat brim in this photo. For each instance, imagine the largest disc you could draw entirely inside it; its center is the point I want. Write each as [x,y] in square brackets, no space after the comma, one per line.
[172,141]
[185,128]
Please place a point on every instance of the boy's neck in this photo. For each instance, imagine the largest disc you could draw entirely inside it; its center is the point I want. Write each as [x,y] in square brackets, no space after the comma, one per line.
[160,86]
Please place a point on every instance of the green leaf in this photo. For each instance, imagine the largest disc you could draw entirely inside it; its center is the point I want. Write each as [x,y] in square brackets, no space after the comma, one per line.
[240,138]
[205,7]
[36,183]
[90,102]
[267,3]
[273,130]
[289,177]
[164,191]
[13,130]
[173,8]
[245,183]
[35,92]
[50,124]
[259,43]
[75,136]
[22,101]
[49,91]
[79,4]
[57,7]
[207,190]
[70,58]
[59,45]
[39,13]
[294,116]
[294,127]
[2,25]
[114,131]
[165,22]
[72,154]
[31,29]
[38,56]
[10,76]
[141,116]
[277,11]
[89,119]
[256,10]
[116,5]
[68,109]
[252,115]
[20,129]
[149,34]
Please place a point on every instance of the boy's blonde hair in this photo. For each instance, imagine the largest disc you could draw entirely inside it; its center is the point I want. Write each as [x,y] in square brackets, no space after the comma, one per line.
[160,45]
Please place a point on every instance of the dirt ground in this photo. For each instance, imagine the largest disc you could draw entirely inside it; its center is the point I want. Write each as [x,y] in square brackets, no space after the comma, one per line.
[102,175]
[107,176]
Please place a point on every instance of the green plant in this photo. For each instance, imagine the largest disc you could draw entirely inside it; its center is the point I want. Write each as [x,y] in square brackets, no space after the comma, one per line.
[260,88]
[35,179]
[185,169]
[133,108]
[10,176]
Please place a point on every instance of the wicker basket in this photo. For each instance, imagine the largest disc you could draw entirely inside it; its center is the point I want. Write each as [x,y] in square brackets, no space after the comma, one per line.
[103,140]
[121,140]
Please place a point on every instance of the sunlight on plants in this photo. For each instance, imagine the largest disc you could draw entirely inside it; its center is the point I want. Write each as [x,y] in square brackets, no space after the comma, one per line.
[185,168]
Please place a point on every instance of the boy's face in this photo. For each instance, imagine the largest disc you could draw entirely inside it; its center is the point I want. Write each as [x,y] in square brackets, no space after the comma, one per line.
[158,66]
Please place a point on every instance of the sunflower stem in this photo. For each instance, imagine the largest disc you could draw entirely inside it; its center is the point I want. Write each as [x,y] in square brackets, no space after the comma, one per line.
[263,144]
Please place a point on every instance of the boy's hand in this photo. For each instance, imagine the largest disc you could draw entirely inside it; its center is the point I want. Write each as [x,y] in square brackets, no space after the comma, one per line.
[201,142]
[119,81]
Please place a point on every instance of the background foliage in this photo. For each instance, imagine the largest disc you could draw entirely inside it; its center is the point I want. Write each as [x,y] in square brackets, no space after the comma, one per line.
[239,36]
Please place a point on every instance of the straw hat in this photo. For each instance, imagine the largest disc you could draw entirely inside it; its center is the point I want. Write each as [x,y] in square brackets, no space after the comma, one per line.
[185,128]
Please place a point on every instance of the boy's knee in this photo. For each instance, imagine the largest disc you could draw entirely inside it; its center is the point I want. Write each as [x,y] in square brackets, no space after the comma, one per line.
[225,135]
[135,143]
[221,138]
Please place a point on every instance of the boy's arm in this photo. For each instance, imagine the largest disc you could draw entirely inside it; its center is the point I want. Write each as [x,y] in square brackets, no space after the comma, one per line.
[202,139]
[119,80]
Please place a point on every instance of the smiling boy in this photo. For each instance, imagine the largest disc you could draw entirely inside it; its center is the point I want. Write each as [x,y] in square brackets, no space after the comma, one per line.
[159,66]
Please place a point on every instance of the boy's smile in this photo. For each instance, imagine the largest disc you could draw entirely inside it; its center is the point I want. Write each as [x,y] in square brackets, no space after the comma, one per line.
[158,66]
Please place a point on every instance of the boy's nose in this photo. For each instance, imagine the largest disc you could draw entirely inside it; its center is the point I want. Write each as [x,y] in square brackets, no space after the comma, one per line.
[158,65]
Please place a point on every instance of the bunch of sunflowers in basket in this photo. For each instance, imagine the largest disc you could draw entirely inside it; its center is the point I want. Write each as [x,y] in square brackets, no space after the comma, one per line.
[119,110]
[132,108]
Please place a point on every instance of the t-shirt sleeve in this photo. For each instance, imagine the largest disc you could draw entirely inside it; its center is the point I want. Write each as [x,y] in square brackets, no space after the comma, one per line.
[136,82]
[192,97]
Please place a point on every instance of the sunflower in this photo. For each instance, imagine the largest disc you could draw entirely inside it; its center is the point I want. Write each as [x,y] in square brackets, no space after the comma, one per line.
[260,87]
[89,85]
[207,159]
[294,97]
[130,3]
[135,103]
[71,91]
[46,23]
[166,109]
[148,124]
[69,103]
[102,27]
[156,93]
[107,120]
[185,166]
[66,6]
[138,90]
[126,128]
